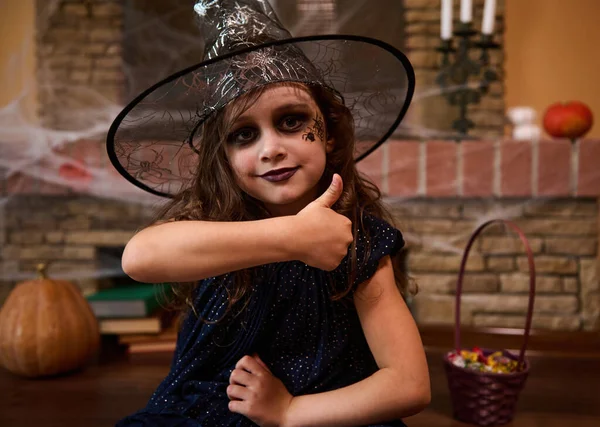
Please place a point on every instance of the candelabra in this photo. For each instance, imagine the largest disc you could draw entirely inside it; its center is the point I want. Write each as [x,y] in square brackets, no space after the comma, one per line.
[454,75]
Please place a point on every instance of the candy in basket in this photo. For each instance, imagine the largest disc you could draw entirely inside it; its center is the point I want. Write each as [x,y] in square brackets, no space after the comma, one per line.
[485,383]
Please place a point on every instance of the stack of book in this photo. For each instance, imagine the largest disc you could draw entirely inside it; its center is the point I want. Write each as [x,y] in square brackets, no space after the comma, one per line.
[144,343]
[136,313]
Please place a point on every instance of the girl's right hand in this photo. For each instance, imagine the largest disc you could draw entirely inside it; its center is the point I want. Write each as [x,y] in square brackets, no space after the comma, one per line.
[322,236]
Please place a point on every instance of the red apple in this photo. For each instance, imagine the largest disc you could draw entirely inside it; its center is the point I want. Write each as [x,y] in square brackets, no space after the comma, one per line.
[569,120]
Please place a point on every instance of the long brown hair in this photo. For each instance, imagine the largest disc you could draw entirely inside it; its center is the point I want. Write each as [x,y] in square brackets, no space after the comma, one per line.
[215,196]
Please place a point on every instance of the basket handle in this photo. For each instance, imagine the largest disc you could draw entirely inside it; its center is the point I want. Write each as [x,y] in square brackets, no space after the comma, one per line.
[531,283]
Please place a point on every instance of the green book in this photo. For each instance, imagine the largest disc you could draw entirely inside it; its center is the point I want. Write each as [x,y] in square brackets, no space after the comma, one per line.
[139,300]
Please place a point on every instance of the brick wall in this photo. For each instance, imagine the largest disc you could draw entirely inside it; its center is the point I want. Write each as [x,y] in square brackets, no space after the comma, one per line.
[79,45]
[562,233]
[65,231]
[486,168]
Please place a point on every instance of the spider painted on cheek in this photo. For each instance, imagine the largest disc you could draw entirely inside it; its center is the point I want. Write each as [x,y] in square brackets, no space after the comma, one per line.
[318,127]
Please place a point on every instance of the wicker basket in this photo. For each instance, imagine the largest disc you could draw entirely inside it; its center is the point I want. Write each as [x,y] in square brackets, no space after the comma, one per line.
[486,398]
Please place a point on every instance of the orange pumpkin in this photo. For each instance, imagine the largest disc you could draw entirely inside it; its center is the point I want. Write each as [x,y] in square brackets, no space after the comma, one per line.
[46,328]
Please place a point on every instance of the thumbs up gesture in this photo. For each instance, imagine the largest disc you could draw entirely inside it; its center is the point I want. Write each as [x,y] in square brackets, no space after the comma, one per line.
[322,235]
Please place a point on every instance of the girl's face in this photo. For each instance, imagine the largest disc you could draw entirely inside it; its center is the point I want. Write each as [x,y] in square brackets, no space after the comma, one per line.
[277,149]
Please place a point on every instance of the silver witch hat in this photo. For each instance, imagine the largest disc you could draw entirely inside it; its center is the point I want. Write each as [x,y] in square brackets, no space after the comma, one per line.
[153,141]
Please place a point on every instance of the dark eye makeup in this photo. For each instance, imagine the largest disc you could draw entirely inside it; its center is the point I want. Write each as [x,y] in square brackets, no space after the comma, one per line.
[288,123]
[242,135]
[293,122]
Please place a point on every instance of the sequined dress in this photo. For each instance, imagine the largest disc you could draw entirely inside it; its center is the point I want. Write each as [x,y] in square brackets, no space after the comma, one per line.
[312,344]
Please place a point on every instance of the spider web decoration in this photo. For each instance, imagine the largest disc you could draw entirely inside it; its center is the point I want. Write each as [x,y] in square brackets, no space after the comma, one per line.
[228,25]
[156,138]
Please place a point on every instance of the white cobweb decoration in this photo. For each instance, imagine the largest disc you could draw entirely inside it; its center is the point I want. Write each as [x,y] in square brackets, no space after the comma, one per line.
[52,160]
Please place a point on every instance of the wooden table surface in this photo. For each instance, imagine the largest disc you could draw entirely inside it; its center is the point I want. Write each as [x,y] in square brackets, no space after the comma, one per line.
[561,392]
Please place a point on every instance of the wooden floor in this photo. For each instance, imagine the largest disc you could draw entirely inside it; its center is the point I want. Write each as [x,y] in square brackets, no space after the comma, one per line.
[560,391]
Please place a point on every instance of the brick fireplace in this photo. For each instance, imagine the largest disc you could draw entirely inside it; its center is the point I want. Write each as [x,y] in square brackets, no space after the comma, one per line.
[439,190]
[549,188]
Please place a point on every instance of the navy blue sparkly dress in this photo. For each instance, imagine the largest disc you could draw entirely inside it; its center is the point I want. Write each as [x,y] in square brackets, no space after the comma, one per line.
[312,344]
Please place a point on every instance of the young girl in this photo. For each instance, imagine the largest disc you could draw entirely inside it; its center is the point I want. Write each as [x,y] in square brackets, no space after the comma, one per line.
[280,253]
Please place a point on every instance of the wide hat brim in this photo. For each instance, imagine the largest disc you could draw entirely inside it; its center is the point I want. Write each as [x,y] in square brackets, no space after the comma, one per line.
[152,142]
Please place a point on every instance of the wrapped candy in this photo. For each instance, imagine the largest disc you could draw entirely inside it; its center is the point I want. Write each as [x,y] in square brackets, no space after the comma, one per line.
[500,363]
[476,360]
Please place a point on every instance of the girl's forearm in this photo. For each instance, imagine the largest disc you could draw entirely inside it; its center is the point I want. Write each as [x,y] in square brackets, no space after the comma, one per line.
[383,396]
[184,251]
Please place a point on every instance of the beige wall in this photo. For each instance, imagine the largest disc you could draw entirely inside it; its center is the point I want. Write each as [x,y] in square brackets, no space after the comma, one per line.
[17,53]
[553,54]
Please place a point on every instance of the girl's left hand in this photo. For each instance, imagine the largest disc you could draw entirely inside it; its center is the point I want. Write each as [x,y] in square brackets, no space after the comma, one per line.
[257,394]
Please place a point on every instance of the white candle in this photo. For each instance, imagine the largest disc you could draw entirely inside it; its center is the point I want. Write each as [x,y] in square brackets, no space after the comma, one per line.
[446,27]
[466,10]
[489,17]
